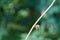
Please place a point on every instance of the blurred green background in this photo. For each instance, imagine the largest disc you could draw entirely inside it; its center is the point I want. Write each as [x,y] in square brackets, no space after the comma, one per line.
[17,17]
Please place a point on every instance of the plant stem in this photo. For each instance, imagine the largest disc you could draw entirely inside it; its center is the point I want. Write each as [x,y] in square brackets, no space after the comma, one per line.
[39,19]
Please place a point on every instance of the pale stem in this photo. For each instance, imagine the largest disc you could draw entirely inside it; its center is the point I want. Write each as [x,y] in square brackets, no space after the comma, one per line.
[39,19]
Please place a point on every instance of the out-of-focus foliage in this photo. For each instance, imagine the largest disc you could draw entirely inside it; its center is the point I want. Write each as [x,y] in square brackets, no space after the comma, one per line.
[17,17]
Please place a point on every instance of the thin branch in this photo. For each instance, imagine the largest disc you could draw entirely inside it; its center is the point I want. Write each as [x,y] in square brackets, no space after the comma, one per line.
[39,19]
